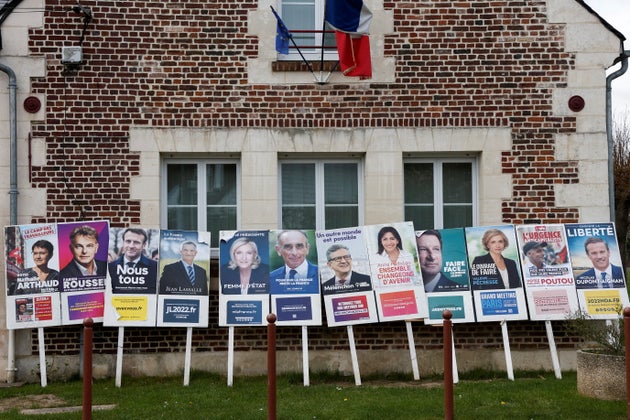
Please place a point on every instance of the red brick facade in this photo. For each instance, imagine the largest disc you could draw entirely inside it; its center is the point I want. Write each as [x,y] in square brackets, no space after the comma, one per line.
[184,64]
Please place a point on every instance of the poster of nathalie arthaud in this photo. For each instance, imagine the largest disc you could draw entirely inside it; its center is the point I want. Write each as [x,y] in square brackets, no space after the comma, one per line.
[32,276]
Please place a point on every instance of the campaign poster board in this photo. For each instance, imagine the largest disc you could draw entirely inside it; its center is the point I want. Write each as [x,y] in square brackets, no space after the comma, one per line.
[183,297]
[395,271]
[131,287]
[594,250]
[496,296]
[32,276]
[345,277]
[546,268]
[83,261]
[444,270]
[295,295]
[243,272]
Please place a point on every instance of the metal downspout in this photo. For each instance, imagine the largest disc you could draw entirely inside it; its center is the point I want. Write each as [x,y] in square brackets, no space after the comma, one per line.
[13,193]
[609,128]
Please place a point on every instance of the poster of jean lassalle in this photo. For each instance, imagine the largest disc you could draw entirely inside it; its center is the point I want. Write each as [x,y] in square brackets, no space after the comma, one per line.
[546,266]
[243,277]
[183,282]
[596,264]
[395,271]
[131,287]
[32,276]
[444,269]
[83,269]
[294,284]
[495,273]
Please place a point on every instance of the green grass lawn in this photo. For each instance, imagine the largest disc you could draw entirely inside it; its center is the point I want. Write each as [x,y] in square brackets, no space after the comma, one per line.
[477,396]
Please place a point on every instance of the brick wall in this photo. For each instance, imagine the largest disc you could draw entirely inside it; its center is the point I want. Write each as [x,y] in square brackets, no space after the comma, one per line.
[184,64]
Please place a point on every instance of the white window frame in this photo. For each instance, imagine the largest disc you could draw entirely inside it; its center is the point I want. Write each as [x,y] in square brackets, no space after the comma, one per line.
[309,54]
[320,205]
[438,176]
[202,204]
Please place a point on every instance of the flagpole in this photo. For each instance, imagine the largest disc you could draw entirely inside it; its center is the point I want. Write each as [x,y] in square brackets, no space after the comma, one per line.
[296,46]
[321,56]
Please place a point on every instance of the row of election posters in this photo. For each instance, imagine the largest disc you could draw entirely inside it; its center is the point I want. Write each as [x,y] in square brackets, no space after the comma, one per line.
[59,274]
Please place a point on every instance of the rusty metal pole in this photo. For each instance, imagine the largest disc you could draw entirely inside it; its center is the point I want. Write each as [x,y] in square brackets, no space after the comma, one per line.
[448,364]
[271,367]
[87,368]
[626,331]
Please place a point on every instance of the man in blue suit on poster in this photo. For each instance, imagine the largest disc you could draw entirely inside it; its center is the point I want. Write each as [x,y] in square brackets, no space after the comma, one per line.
[133,272]
[293,247]
[603,275]
[183,277]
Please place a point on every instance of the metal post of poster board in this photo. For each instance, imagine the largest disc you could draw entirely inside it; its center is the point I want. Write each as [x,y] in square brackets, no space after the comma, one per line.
[42,356]
[119,355]
[305,365]
[353,355]
[187,359]
[230,374]
[553,350]
[412,351]
[508,352]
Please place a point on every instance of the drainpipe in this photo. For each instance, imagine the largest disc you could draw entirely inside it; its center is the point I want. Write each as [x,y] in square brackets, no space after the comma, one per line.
[609,128]
[13,192]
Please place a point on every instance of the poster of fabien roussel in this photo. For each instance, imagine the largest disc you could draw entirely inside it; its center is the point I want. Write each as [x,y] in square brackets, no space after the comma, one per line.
[32,276]
[596,264]
[546,268]
[243,277]
[183,284]
[495,273]
[83,263]
[444,270]
[131,289]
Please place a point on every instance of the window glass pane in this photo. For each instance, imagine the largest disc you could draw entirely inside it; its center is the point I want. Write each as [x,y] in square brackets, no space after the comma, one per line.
[298,183]
[457,216]
[221,184]
[181,184]
[341,216]
[421,216]
[300,15]
[301,217]
[219,218]
[340,183]
[418,183]
[457,182]
[184,218]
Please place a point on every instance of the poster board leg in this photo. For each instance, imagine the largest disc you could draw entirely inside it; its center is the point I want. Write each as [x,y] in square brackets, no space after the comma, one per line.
[230,373]
[353,355]
[188,355]
[42,357]
[412,351]
[506,349]
[455,373]
[119,355]
[553,350]
[305,364]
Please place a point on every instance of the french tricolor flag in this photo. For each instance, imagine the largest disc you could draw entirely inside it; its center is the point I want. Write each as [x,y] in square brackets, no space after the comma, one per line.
[351,21]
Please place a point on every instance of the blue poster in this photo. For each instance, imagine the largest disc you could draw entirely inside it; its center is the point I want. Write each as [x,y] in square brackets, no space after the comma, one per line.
[294,308]
[181,310]
[499,303]
[244,312]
